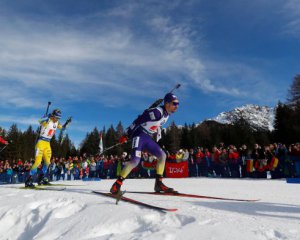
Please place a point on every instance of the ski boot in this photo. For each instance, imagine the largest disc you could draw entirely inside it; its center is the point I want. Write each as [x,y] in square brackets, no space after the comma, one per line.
[116,187]
[29,182]
[159,187]
[42,180]
[45,181]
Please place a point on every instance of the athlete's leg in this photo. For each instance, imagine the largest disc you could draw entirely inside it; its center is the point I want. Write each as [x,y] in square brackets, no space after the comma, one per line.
[47,157]
[39,151]
[153,148]
[156,150]
[136,152]
[37,161]
[42,178]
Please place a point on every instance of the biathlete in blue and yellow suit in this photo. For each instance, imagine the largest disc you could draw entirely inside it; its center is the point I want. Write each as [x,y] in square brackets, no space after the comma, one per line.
[43,150]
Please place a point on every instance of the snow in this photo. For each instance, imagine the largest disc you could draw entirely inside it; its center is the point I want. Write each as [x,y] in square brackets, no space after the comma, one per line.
[76,213]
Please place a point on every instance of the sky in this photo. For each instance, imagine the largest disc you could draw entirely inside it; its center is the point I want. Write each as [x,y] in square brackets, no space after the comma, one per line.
[102,62]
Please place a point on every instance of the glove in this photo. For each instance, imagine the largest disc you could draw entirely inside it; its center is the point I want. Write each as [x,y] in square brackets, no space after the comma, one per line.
[69,120]
[123,139]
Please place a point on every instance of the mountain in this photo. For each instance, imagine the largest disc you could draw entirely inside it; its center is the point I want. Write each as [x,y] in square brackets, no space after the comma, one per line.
[259,117]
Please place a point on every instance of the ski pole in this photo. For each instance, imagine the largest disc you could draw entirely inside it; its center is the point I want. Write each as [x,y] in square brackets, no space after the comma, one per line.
[3,148]
[8,142]
[113,146]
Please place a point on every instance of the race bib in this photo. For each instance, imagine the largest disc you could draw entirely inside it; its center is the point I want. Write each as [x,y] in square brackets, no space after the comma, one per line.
[135,142]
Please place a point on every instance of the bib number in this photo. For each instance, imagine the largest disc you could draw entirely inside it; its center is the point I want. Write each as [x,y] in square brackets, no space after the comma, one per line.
[50,132]
[135,142]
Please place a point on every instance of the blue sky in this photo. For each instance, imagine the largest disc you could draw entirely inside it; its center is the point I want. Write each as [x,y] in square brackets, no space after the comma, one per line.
[105,61]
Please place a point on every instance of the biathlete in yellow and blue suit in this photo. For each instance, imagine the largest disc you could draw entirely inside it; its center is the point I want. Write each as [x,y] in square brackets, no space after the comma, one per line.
[49,124]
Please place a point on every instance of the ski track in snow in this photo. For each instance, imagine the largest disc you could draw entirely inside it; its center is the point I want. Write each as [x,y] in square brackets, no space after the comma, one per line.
[76,213]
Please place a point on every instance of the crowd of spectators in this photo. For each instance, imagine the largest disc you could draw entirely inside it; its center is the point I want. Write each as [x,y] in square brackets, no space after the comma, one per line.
[279,160]
[221,161]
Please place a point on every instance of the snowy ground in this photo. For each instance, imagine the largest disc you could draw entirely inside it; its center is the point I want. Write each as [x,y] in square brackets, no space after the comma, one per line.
[76,213]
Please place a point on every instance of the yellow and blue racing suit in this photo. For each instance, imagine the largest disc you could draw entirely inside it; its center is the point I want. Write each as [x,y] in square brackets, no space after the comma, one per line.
[43,148]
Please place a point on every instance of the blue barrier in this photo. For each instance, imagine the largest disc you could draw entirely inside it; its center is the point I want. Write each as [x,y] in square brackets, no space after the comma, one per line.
[293,180]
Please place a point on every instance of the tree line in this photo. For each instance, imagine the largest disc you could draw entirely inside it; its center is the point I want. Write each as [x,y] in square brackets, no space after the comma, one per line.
[207,134]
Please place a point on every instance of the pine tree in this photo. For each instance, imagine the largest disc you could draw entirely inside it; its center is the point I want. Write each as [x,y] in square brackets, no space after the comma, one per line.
[185,137]
[13,150]
[194,138]
[120,129]
[28,139]
[173,138]
[282,123]
[111,139]
[294,92]
[90,144]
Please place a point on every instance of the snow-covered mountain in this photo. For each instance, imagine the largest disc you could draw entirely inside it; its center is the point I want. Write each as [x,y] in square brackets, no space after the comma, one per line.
[259,117]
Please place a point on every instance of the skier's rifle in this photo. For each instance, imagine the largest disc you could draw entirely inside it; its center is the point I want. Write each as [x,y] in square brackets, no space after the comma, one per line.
[39,130]
[159,101]
[47,110]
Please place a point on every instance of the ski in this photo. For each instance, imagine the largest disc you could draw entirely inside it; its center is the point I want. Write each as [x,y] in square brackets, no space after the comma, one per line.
[65,185]
[177,194]
[135,202]
[44,188]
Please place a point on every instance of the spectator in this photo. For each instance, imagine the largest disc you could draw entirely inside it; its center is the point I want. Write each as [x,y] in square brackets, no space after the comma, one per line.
[260,161]
[52,169]
[234,166]
[179,156]
[224,165]
[295,157]
[99,167]
[84,167]
[216,161]
[192,164]
[185,155]
[92,168]
[208,160]
[202,168]
[69,168]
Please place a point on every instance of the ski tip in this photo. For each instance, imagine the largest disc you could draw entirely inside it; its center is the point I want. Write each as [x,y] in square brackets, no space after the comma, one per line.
[171,210]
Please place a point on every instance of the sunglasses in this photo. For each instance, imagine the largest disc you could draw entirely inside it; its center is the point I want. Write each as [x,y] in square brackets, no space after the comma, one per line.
[175,103]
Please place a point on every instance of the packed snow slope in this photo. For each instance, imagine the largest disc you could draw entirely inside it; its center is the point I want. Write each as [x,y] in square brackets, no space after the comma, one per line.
[76,213]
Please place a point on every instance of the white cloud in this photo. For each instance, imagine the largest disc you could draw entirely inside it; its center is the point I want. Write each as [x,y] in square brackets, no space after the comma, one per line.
[60,60]
[19,120]
[291,13]
[181,50]
[43,57]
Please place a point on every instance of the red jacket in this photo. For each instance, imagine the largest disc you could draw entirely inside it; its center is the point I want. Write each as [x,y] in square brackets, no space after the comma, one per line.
[3,141]
[199,156]
[233,157]
[216,156]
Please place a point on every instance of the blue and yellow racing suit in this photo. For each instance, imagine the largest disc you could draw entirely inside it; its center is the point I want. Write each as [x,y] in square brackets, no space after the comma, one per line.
[43,148]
